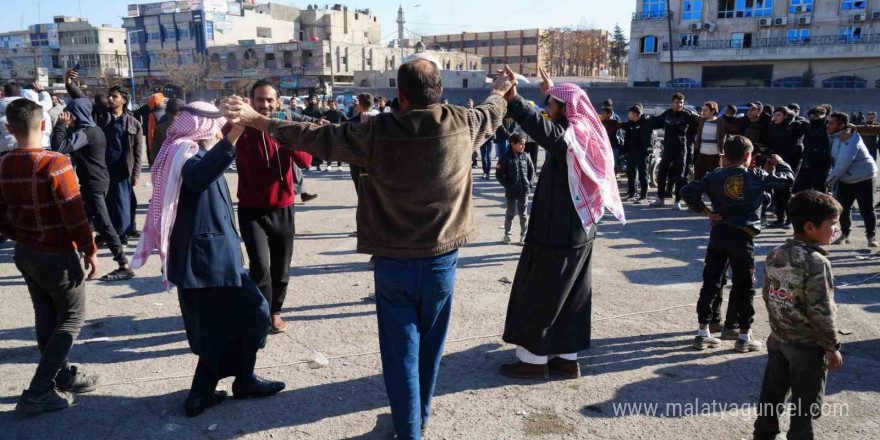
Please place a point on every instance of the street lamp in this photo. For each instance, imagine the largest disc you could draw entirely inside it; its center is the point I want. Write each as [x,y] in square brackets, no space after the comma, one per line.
[131,63]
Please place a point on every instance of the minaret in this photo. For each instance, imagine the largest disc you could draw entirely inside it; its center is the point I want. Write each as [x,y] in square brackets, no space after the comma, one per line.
[400,23]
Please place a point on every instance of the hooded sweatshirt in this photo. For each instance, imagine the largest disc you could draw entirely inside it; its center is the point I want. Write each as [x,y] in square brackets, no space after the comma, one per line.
[156,105]
[7,141]
[86,144]
[265,172]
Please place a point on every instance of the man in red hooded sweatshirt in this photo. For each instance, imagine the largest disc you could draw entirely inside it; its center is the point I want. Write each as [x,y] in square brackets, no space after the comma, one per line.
[265,202]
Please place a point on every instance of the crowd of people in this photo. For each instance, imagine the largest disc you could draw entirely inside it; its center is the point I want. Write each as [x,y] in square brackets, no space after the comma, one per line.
[68,169]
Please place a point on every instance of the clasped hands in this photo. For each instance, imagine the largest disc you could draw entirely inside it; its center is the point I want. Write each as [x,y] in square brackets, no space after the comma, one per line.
[239,112]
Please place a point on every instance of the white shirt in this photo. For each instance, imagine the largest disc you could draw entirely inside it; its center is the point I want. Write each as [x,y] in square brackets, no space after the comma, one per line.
[708,141]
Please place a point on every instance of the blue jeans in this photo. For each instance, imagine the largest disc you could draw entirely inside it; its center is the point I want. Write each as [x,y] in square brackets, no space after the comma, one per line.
[500,148]
[486,156]
[413,305]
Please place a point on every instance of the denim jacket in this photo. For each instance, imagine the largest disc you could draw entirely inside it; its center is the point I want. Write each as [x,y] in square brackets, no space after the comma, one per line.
[736,193]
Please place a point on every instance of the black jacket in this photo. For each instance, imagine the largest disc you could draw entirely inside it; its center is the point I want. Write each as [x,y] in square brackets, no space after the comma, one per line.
[507,128]
[515,173]
[680,128]
[817,146]
[737,193]
[755,131]
[554,221]
[335,116]
[205,249]
[787,140]
[313,112]
[638,137]
[89,160]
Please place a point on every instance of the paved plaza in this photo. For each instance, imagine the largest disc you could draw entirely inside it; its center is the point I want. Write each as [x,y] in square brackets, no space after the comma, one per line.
[641,378]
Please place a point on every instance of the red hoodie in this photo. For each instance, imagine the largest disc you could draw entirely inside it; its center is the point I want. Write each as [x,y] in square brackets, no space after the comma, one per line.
[265,171]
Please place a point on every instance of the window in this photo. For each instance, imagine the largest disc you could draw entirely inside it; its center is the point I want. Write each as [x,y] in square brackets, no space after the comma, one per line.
[470,44]
[455,44]
[154,36]
[231,62]
[270,61]
[692,9]
[79,37]
[264,32]
[498,42]
[844,82]
[744,8]
[392,82]
[464,83]
[514,41]
[111,41]
[654,9]
[791,82]
[183,31]
[138,61]
[135,38]
[741,40]
[648,44]
[169,33]
[484,43]
[530,41]
[850,33]
[853,5]
[806,6]
[684,83]
[798,35]
[689,40]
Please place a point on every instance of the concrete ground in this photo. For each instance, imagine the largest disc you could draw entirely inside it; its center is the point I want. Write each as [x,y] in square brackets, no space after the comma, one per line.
[646,280]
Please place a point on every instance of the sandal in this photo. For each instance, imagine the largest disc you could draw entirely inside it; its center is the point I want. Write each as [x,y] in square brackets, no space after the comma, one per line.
[118,275]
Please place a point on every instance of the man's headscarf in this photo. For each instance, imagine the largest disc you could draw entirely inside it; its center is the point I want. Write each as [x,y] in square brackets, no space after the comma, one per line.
[197,121]
[591,178]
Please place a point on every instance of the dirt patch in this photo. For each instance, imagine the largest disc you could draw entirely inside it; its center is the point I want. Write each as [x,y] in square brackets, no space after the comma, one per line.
[546,423]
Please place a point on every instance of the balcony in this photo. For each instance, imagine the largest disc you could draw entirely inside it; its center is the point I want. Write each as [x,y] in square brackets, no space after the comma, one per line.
[821,46]
[646,16]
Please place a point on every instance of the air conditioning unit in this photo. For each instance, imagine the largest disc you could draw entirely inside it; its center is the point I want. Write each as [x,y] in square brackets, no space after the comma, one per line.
[709,27]
[696,26]
[780,21]
[805,20]
[800,9]
[875,15]
[859,17]
[765,22]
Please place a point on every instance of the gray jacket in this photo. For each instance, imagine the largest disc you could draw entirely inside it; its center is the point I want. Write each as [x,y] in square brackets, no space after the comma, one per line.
[852,162]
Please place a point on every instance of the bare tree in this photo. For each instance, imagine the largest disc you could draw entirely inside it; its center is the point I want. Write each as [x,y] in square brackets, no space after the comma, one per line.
[189,72]
[576,52]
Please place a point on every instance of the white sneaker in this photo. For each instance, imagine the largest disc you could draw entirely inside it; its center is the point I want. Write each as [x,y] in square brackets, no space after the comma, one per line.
[506,239]
[677,206]
[658,203]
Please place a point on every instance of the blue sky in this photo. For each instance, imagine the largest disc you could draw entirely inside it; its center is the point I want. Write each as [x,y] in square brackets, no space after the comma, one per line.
[431,17]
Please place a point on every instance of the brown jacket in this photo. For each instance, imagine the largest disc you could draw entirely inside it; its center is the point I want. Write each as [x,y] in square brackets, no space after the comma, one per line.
[724,129]
[416,201]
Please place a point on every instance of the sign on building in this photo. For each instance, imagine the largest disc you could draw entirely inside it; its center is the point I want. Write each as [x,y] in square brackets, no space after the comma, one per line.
[169,7]
[247,43]
[308,81]
[133,11]
[52,34]
[289,82]
[220,6]
[235,8]
[223,25]
[250,73]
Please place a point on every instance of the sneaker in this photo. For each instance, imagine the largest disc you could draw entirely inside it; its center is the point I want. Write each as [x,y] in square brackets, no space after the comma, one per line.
[743,346]
[522,240]
[628,198]
[52,400]
[729,334]
[872,242]
[702,342]
[506,239]
[639,201]
[677,206]
[72,380]
[777,224]
[843,239]
[658,203]
[715,327]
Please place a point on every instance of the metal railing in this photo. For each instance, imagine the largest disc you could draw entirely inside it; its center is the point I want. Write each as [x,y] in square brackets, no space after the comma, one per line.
[756,43]
[639,16]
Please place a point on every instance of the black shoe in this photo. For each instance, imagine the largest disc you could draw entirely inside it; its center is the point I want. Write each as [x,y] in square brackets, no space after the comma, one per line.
[118,275]
[75,382]
[135,234]
[193,407]
[307,197]
[777,224]
[52,400]
[259,388]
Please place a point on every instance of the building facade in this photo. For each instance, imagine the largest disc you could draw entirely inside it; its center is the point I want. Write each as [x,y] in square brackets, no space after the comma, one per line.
[189,28]
[756,43]
[45,51]
[525,51]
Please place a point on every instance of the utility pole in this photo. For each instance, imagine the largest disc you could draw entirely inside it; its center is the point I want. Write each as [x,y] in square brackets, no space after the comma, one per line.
[332,76]
[671,51]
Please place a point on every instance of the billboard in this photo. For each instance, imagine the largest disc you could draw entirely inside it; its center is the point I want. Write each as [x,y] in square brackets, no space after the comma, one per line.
[235,8]
[216,6]
[52,36]
[308,81]
[134,11]
[169,7]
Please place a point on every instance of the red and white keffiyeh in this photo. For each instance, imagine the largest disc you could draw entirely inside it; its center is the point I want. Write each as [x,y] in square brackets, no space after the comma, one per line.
[179,146]
[591,178]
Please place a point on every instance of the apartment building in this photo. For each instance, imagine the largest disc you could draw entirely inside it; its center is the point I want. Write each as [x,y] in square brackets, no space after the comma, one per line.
[756,43]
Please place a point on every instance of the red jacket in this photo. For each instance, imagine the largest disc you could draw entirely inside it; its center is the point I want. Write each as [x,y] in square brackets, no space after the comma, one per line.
[265,172]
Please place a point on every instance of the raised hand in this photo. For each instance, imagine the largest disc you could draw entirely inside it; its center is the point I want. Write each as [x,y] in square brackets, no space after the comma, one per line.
[37,86]
[66,118]
[502,84]
[239,112]
[508,72]
[546,82]
[70,76]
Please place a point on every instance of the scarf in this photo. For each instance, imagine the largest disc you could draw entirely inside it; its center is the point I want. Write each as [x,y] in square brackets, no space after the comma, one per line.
[591,178]
[180,145]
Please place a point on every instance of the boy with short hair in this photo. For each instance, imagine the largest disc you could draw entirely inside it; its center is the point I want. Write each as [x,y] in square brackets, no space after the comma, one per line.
[42,210]
[736,193]
[515,172]
[799,294]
